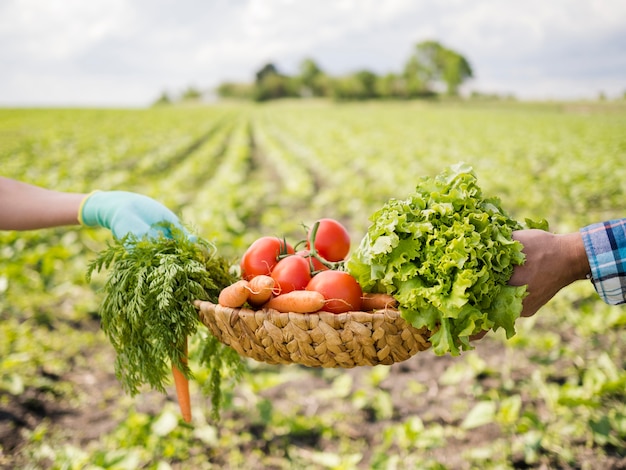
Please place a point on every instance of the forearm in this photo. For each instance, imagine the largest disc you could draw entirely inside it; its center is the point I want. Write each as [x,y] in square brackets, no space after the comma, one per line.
[27,207]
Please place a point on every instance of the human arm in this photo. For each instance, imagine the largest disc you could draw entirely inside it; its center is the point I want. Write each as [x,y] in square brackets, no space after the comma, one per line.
[27,207]
[24,206]
[597,252]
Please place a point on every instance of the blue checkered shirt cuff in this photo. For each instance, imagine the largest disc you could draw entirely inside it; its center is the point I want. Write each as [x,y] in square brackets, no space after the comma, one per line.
[605,244]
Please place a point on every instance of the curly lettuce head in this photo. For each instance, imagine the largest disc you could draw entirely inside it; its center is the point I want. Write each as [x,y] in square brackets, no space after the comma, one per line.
[446,254]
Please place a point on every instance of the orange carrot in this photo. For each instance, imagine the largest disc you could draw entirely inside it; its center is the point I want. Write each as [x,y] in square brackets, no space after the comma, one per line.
[261,289]
[298,301]
[376,301]
[182,388]
[235,295]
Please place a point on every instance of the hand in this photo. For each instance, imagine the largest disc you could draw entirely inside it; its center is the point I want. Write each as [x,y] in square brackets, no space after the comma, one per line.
[126,213]
[552,262]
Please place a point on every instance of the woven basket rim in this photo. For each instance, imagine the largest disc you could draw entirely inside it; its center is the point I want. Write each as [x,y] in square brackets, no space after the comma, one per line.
[318,339]
[267,310]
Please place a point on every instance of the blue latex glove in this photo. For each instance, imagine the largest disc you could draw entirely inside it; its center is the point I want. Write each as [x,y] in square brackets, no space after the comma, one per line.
[124,212]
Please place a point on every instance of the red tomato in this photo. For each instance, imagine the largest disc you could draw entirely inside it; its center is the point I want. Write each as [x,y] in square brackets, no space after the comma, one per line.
[291,273]
[317,264]
[332,240]
[262,256]
[341,291]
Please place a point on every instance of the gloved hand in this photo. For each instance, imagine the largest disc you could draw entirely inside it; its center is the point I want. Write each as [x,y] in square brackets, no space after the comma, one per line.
[124,212]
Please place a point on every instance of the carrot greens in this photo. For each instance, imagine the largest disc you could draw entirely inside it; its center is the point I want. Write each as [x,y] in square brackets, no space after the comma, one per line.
[147,310]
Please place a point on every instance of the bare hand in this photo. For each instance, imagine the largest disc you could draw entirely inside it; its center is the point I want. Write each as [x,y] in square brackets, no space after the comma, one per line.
[552,262]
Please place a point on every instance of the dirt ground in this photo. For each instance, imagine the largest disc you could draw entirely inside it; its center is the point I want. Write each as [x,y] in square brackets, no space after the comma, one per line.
[95,414]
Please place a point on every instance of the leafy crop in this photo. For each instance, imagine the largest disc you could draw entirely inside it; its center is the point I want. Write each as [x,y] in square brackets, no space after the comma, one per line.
[552,396]
[446,254]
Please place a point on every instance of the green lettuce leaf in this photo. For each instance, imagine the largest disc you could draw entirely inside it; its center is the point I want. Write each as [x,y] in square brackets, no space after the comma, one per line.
[446,254]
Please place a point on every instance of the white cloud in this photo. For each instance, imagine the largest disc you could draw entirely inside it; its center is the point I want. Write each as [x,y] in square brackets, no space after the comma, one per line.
[47,31]
[128,51]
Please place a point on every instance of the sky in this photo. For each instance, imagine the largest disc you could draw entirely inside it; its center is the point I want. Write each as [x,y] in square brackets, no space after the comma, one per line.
[128,52]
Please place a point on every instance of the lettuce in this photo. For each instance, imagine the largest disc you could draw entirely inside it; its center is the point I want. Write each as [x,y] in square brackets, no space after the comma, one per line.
[446,254]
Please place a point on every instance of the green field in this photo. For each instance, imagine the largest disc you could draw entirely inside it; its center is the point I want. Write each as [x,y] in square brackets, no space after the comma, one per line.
[553,396]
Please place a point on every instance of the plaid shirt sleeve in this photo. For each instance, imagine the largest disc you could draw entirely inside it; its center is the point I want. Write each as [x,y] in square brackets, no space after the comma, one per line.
[605,244]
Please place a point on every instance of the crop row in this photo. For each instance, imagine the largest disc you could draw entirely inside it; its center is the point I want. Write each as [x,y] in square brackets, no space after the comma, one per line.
[552,394]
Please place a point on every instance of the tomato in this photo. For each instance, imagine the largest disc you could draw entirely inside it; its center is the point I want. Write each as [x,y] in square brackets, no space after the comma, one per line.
[262,256]
[317,264]
[291,273]
[341,291]
[332,240]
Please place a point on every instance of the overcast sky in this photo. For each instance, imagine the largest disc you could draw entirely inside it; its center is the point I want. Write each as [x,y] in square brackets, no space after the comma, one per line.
[126,52]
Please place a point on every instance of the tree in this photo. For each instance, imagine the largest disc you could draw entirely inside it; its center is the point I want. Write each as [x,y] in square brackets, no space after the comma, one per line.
[432,64]
[191,94]
[312,79]
[424,65]
[345,88]
[270,84]
[391,86]
[163,100]
[456,70]
[357,86]
[236,90]
[266,71]
[367,81]
[309,71]
[430,69]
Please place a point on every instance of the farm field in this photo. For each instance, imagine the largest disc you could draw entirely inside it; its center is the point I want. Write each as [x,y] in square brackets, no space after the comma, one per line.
[553,396]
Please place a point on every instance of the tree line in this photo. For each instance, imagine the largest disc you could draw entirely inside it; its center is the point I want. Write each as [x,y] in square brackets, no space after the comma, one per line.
[430,70]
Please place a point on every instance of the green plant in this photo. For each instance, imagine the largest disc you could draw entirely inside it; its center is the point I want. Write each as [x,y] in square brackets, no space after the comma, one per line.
[148,313]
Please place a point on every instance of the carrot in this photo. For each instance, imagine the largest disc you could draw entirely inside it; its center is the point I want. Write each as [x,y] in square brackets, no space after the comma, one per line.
[234,295]
[260,289]
[182,387]
[298,301]
[376,301]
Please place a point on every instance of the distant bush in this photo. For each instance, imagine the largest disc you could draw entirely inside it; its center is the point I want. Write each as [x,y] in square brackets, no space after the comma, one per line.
[431,67]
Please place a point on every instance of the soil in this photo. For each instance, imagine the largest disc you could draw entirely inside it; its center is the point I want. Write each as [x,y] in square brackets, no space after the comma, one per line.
[97,411]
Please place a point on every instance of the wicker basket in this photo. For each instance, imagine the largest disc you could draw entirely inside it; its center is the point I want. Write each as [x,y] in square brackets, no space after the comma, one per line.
[318,339]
